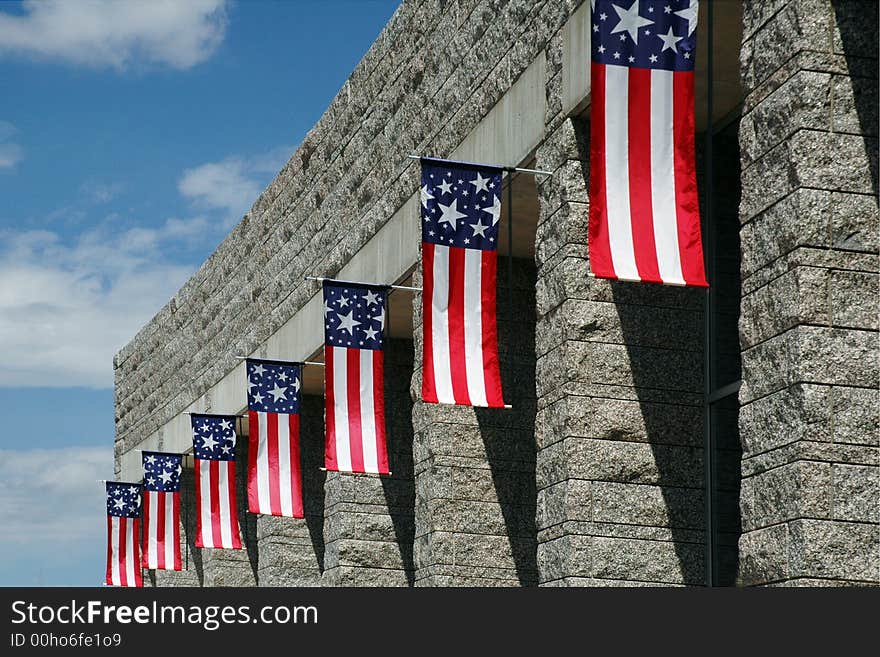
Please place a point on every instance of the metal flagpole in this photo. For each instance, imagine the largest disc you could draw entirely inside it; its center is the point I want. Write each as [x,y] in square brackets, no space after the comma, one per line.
[393,287]
[709,465]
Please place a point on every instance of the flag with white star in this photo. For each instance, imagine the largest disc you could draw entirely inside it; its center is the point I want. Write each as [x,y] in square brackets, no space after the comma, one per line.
[123,534]
[274,477]
[354,324]
[216,508]
[644,213]
[460,215]
[162,510]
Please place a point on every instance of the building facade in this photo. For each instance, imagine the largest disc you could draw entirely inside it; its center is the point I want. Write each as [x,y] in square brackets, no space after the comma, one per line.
[657,435]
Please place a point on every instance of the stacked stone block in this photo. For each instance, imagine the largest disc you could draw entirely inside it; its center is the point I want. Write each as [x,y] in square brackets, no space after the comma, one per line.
[809,418]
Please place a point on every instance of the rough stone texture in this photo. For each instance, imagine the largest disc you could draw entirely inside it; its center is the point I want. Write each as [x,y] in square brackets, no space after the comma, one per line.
[808,328]
[475,467]
[368,520]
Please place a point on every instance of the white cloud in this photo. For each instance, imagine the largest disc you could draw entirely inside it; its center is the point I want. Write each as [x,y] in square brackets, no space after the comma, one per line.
[67,307]
[53,495]
[10,153]
[232,184]
[116,33]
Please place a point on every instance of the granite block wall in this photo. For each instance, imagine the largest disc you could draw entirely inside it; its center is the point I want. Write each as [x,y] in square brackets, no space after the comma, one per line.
[808,328]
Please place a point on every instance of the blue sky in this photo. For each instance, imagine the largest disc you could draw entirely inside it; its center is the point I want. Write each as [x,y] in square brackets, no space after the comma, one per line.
[133,136]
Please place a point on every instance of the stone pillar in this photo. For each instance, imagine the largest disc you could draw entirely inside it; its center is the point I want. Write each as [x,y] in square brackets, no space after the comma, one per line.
[475,468]
[808,328]
[619,426]
[368,520]
[291,550]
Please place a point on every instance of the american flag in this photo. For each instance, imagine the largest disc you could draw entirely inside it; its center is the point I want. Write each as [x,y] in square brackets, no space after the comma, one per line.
[354,322]
[123,527]
[644,214]
[162,510]
[274,479]
[461,208]
[216,508]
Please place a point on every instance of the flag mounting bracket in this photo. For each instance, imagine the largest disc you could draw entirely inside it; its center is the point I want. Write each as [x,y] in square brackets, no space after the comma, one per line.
[537,172]
[321,279]
[292,362]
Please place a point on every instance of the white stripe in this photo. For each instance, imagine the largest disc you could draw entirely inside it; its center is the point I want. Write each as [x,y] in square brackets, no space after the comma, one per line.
[617,172]
[368,413]
[170,531]
[205,495]
[440,326]
[663,178]
[153,531]
[225,506]
[129,551]
[263,464]
[115,578]
[473,326]
[285,492]
[340,409]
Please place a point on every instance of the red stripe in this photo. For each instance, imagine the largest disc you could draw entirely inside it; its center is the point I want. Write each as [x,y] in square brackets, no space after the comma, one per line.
[175,533]
[214,487]
[295,474]
[136,557]
[491,367]
[274,473]
[109,578]
[455,317]
[253,448]
[690,243]
[234,528]
[355,436]
[329,417]
[120,556]
[639,144]
[600,245]
[147,513]
[379,410]
[429,386]
[160,529]
[199,529]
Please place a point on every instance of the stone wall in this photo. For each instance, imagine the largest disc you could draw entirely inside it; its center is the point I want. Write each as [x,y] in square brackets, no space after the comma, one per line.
[808,329]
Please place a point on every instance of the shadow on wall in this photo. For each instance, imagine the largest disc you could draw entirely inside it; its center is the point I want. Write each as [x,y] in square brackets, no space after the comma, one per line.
[313,478]
[857,23]
[247,521]
[510,442]
[399,489]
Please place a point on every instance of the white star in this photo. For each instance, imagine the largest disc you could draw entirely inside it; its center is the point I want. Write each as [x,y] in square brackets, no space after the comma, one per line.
[450,213]
[667,9]
[371,333]
[343,302]
[165,477]
[380,318]
[225,425]
[327,308]
[445,186]
[426,196]
[372,297]
[630,21]
[209,442]
[480,184]
[119,503]
[283,376]
[687,55]
[601,48]
[295,385]
[595,28]
[617,55]
[603,16]
[494,210]
[346,322]
[150,459]
[225,449]
[653,58]
[631,59]
[479,229]
[259,370]
[278,393]
[258,398]
[251,385]
[690,15]
[669,40]
[151,481]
